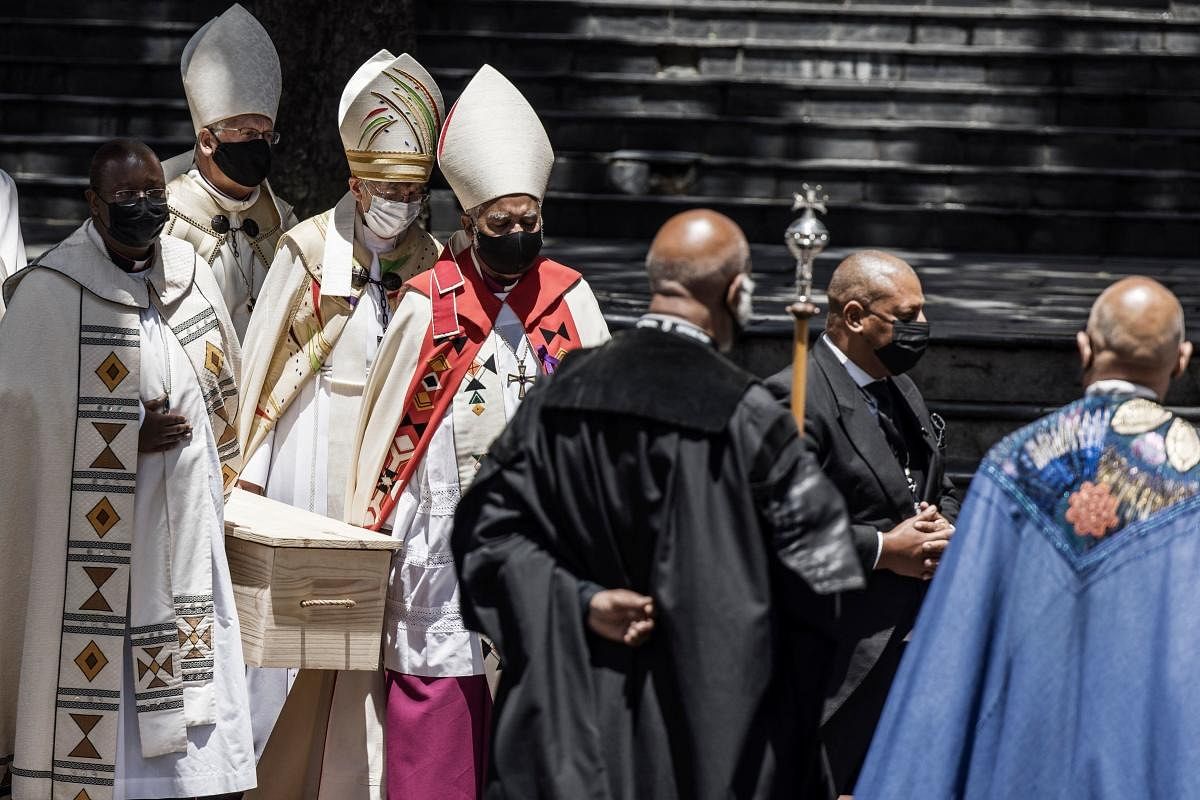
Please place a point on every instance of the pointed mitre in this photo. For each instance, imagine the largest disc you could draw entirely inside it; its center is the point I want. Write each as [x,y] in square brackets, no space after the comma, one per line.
[230,68]
[493,143]
[389,118]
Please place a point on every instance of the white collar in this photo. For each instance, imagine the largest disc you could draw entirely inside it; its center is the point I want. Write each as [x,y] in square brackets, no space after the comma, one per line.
[230,204]
[371,240]
[1116,386]
[670,323]
[859,375]
[94,236]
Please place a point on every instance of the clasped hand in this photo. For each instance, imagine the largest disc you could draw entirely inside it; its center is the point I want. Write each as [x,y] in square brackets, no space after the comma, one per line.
[621,616]
[915,546]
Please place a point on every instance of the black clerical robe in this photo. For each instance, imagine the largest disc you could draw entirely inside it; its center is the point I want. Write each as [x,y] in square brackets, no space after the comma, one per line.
[652,463]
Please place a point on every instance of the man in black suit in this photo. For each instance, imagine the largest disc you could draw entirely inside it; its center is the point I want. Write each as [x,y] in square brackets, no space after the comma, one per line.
[875,440]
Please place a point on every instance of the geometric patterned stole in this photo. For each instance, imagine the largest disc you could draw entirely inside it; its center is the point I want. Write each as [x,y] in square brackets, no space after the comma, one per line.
[457,368]
[175,651]
[95,616]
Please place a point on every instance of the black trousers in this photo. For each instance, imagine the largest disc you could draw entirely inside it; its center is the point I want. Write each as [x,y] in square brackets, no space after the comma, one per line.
[847,734]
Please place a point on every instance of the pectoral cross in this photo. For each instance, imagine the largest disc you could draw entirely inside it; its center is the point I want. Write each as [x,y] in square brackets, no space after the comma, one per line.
[521,378]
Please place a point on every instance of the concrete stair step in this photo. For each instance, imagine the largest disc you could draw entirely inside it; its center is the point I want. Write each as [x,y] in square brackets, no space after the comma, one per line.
[69,155]
[992,316]
[925,226]
[906,141]
[637,173]
[981,22]
[830,98]
[81,75]
[659,55]
[909,141]
[197,11]
[95,115]
[157,40]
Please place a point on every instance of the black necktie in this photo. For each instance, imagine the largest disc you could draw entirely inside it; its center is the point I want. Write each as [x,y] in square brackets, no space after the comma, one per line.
[879,394]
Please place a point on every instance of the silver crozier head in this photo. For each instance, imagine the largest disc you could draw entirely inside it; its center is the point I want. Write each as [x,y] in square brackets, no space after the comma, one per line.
[807,236]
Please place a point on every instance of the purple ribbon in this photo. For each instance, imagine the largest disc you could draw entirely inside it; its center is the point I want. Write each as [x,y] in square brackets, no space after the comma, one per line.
[549,362]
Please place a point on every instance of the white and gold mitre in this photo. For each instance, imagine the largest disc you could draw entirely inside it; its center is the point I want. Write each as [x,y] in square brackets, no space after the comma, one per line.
[230,68]
[389,117]
[493,143]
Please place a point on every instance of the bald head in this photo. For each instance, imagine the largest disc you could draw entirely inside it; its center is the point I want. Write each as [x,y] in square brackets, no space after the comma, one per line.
[1135,331]
[868,294]
[699,268]
[698,253]
[121,161]
[868,276]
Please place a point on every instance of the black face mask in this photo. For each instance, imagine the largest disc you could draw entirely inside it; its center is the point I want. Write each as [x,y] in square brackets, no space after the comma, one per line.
[139,223]
[909,340]
[510,255]
[244,163]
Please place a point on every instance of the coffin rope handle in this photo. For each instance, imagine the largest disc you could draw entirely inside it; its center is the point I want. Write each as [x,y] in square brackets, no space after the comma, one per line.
[347,603]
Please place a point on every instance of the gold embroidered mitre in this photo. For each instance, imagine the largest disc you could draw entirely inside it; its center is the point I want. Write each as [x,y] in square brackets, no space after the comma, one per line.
[389,118]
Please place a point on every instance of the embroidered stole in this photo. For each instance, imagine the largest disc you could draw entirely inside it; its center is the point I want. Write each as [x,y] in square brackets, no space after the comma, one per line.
[174,650]
[458,365]
[316,322]
[192,209]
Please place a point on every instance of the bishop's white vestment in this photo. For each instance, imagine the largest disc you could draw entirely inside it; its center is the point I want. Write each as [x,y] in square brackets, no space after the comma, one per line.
[307,356]
[130,679]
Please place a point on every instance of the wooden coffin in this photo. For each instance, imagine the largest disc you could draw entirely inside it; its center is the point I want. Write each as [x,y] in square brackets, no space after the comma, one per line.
[310,590]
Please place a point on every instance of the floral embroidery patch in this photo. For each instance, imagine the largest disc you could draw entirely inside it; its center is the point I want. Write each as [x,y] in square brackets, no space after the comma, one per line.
[1102,464]
[1092,510]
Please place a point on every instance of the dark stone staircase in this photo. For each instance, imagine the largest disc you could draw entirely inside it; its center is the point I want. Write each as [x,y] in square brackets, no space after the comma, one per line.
[1021,154]
[75,73]
[1020,128]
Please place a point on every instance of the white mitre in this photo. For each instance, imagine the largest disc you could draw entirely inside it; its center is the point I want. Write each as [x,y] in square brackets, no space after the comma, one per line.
[389,118]
[493,143]
[230,68]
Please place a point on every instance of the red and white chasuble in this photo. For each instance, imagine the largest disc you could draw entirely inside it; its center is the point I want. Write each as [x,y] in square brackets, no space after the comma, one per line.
[461,358]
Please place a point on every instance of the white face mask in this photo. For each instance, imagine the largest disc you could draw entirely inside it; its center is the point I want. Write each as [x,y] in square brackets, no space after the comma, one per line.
[744,308]
[390,217]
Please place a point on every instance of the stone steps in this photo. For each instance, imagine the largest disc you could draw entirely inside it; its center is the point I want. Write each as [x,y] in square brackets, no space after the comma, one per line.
[95,76]
[1002,352]
[1036,188]
[48,115]
[950,227]
[947,142]
[135,39]
[839,98]
[71,11]
[1041,128]
[978,21]
[868,62]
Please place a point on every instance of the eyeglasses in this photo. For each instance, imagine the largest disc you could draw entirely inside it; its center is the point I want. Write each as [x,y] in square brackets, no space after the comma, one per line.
[123,197]
[398,192]
[247,134]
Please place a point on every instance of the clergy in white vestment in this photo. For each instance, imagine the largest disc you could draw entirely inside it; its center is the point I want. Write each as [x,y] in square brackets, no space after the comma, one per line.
[221,201]
[469,338]
[122,673]
[328,300]
[12,246]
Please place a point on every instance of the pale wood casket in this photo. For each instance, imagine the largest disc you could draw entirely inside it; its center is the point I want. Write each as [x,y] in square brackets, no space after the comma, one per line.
[310,590]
